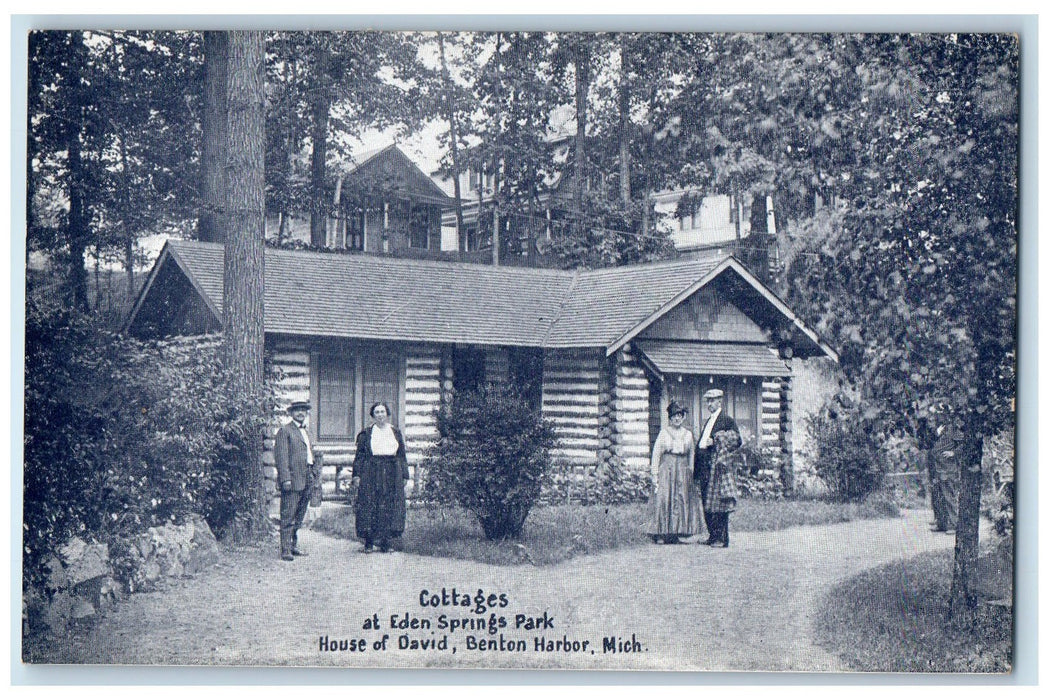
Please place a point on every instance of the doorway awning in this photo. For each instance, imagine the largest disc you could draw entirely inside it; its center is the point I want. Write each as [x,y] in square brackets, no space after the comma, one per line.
[735,359]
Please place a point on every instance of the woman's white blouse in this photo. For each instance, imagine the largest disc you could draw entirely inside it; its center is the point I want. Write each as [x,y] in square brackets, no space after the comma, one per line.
[384,442]
[678,444]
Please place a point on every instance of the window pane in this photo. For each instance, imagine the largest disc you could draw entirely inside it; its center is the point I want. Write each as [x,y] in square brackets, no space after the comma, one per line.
[380,382]
[335,380]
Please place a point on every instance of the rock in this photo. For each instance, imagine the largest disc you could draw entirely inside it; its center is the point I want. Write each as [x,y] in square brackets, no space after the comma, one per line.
[92,561]
[58,612]
[82,608]
[72,549]
[56,574]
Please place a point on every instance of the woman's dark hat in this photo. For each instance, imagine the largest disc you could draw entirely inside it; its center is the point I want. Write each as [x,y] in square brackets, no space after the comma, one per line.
[299,405]
[674,408]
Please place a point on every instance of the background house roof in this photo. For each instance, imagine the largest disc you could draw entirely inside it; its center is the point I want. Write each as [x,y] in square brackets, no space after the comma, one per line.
[389,168]
[376,297]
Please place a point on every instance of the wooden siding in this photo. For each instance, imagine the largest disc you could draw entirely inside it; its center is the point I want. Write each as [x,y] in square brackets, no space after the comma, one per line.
[706,315]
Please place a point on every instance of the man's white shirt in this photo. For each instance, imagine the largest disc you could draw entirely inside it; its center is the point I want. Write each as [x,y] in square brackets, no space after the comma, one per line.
[705,441]
[306,439]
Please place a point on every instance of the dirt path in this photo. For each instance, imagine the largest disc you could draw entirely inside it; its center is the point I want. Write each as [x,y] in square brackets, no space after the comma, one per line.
[690,607]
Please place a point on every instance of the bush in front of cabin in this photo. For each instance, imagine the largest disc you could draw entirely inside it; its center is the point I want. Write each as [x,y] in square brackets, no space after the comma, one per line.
[122,435]
[491,459]
[848,457]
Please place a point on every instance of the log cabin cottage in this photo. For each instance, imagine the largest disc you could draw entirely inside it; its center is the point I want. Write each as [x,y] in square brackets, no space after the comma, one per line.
[600,352]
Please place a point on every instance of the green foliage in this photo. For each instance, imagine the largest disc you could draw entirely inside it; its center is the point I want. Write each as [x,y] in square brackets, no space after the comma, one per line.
[122,435]
[848,457]
[491,459]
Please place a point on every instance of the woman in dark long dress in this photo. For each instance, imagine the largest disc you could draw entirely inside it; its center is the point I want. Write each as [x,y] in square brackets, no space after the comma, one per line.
[380,470]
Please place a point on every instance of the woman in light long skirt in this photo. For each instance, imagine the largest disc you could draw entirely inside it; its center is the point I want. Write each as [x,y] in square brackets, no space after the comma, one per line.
[675,506]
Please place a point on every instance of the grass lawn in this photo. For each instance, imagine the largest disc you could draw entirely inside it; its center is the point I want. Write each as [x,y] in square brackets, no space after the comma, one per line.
[556,533]
[892,619]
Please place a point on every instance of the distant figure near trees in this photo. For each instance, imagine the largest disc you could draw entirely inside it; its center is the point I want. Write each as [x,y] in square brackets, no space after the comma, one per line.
[676,511]
[380,471]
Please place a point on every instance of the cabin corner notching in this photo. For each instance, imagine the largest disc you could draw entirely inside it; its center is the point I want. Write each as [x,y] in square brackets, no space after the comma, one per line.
[600,352]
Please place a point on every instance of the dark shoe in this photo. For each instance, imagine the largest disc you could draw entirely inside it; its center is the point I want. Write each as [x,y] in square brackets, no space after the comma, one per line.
[673,540]
[299,553]
[937,529]
[285,556]
[710,540]
[384,550]
[368,549]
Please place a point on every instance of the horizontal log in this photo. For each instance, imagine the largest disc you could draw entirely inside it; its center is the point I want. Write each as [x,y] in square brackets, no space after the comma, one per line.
[586,370]
[416,402]
[633,439]
[579,412]
[291,357]
[426,384]
[635,464]
[422,359]
[419,419]
[564,453]
[567,431]
[571,388]
[625,405]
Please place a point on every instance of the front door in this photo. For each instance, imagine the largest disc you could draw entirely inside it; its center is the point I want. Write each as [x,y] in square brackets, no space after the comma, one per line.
[741,401]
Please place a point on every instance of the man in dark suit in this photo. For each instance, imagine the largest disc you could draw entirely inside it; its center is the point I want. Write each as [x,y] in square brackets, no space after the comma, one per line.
[293,455]
[706,449]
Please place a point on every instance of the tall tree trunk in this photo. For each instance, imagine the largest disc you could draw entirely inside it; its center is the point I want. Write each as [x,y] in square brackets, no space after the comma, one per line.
[211,225]
[581,58]
[320,106]
[77,234]
[244,261]
[129,234]
[453,128]
[624,119]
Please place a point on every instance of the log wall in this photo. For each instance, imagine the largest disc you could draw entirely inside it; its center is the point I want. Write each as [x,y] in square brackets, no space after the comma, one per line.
[573,385]
[630,413]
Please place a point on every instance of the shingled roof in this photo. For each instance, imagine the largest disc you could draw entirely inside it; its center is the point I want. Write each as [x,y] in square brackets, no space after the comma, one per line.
[385,298]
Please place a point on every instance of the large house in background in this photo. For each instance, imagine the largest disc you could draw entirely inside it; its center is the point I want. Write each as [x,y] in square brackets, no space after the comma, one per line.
[599,352]
[701,224]
[382,204]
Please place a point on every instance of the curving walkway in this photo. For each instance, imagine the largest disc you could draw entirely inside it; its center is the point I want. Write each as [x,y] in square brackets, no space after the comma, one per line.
[690,607]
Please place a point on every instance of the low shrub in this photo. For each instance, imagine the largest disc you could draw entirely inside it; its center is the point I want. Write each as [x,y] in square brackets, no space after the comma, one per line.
[765,473]
[491,459]
[122,435]
[848,457]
